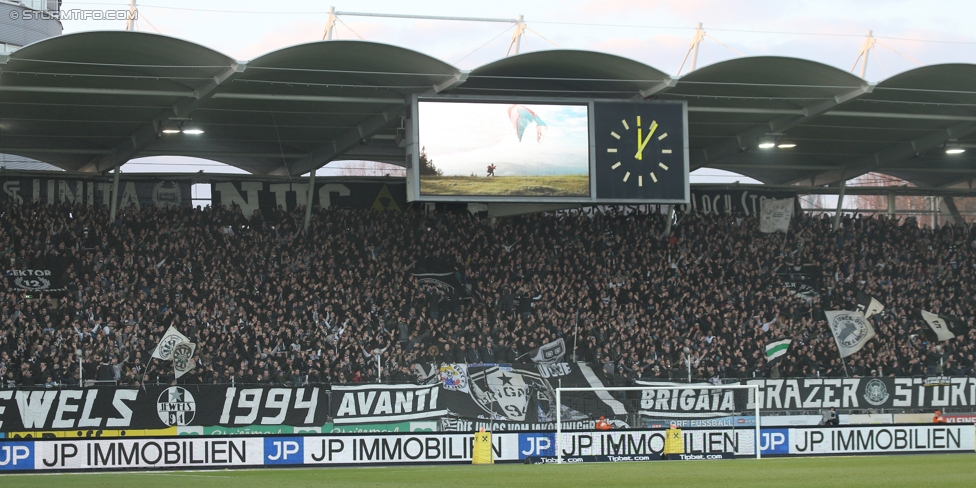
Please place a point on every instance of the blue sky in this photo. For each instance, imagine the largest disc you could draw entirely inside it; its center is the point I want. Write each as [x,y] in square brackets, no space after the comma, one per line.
[464,138]
[654,32]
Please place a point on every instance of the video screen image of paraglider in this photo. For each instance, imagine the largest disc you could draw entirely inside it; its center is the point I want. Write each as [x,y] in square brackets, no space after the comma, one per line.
[502,149]
[468,148]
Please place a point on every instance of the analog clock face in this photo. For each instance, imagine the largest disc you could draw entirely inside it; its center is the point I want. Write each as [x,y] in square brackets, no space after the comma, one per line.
[640,151]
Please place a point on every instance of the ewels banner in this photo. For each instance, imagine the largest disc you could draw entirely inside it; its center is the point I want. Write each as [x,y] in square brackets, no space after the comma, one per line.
[160,407]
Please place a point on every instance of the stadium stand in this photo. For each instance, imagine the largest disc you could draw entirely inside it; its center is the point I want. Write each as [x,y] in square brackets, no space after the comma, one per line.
[268,303]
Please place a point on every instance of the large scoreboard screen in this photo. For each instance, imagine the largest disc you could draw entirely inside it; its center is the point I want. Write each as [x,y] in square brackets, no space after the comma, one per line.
[474,149]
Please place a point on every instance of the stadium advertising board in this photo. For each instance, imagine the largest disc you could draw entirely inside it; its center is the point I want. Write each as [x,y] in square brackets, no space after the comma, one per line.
[490,149]
[843,393]
[410,448]
[98,191]
[266,196]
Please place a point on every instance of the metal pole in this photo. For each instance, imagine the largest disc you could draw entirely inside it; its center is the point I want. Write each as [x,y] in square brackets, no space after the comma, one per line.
[891,205]
[840,203]
[520,26]
[130,22]
[559,426]
[379,371]
[115,192]
[516,37]
[868,44]
[330,24]
[755,405]
[308,205]
[670,219]
[699,36]
[81,369]
[575,336]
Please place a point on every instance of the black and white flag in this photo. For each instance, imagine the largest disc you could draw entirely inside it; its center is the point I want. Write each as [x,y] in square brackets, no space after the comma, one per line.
[172,337]
[550,353]
[775,215]
[850,329]
[943,327]
[183,357]
[802,280]
[868,305]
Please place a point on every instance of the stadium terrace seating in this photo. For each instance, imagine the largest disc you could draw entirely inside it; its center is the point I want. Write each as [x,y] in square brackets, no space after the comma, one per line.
[269,303]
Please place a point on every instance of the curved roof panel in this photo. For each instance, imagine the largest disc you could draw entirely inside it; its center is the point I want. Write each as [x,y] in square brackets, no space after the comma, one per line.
[563,73]
[93,100]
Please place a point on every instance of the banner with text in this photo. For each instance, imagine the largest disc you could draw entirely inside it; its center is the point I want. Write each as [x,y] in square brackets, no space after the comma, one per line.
[744,202]
[98,191]
[380,194]
[843,393]
[159,407]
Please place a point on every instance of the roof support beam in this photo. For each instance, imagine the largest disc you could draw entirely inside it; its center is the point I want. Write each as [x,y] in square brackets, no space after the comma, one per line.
[349,139]
[833,113]
[748,137]
[97,91]
[306,98]
[453,82]
[884,159]
[660,87]
[148,133]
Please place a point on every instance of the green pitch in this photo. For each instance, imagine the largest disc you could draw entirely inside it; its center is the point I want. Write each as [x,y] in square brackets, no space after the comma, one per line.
[507,186]
[942,470]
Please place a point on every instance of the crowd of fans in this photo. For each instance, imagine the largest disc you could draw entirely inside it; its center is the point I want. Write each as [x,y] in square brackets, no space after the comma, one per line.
[267,302]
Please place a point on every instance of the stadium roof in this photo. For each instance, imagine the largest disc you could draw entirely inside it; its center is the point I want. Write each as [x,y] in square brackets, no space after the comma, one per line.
[89,101]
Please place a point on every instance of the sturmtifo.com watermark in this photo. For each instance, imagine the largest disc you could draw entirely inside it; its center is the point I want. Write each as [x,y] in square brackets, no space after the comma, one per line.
[74,14]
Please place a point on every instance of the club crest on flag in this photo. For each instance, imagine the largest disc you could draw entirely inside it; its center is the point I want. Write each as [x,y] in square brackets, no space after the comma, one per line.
[506,393]
[848,330]
[875,392]
[183,357]
[176,406]
[550,353]
[172,337]
[454,377]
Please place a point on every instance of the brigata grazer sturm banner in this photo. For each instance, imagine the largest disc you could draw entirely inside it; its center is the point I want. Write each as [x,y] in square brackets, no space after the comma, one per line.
[844,393]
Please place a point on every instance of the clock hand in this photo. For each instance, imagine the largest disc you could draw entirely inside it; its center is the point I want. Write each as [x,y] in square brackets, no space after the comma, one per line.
[642,144]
